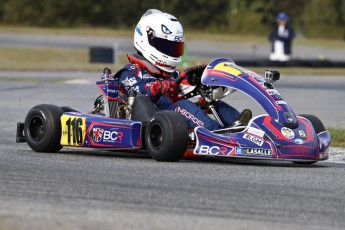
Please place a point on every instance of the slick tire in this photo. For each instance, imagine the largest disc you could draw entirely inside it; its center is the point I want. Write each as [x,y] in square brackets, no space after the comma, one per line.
[42,128]
[315,121]
[166,136]
[318,127]
[68,109]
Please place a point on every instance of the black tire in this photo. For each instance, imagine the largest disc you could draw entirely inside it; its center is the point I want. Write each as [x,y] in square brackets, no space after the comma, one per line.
[318,127]
[68,109]
[166,136]
[315,121]
[42,128]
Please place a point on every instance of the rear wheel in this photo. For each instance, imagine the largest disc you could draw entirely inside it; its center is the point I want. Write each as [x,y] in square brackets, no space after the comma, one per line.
[42,128]
[318,127]
[166,136]
[68,109]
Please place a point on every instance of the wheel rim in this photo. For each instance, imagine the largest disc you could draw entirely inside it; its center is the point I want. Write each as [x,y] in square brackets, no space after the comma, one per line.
[36,128]
[156,136]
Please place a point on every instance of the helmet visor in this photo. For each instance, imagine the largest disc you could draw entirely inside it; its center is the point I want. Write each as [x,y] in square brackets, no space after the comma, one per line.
[167,47]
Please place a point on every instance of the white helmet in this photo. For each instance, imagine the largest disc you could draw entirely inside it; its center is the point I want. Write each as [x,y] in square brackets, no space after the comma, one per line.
[159,38]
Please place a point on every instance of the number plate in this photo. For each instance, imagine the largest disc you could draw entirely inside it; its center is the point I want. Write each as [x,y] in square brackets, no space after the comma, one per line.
[73,130]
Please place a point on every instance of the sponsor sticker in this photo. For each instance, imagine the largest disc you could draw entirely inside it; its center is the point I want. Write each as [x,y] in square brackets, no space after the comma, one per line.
[162,63]
[112,136]
[281,102]
[239,151]
[288,133]
[129,81]
[272,92]
[260,152]
[97,134]
[189,116]
[302,134]
[137,29]
[179,38]
[254,139]
[255,131]
[102,135]
[214,150]
[298,141]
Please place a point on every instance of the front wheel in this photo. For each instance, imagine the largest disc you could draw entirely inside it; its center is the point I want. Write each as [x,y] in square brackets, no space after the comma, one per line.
[304,162]
[315,121]
[166,136]
[42,128]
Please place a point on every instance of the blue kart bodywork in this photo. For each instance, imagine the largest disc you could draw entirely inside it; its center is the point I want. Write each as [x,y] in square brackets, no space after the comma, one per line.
[279,134]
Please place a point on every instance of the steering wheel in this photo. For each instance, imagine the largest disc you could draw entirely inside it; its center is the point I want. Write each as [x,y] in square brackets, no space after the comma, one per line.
[192,75]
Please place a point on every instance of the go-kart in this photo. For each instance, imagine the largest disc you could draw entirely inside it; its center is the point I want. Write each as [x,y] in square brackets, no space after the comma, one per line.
[132,122]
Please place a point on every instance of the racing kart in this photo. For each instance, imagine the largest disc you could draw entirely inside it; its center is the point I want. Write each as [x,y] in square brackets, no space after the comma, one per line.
[133,123]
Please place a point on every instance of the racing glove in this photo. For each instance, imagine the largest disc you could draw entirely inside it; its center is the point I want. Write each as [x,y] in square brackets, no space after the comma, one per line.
[166,88]
[193,74]
[155,88]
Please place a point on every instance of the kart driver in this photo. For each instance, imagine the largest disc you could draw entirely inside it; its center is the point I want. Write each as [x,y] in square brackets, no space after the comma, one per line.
[159,41]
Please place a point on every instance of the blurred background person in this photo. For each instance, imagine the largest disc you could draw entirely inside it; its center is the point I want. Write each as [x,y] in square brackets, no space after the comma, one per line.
[281,39]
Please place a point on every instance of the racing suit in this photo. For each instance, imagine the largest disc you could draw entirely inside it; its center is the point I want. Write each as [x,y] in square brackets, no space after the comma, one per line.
[146,79]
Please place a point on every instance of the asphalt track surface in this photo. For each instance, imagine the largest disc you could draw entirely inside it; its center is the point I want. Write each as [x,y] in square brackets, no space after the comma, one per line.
[77,189]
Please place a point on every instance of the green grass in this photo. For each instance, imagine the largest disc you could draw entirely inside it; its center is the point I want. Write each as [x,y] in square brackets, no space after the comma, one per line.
[189,33]
[30,80]
[63,59]
[48,59]
[338,137]
[104,32]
